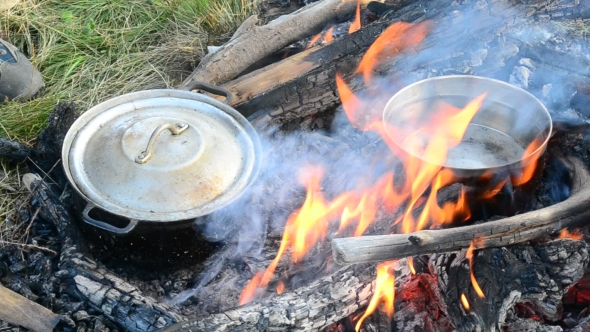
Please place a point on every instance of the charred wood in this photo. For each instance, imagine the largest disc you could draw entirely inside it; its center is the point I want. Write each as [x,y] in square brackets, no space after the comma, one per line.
[539,275]
[13,151]
[304,84]
[272,9]
[46,158]
[115,298]
[308,308]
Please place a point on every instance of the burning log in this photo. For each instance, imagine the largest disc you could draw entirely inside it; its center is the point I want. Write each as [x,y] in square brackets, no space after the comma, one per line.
[304,84]
[308,308]
[539,275]
[520,228]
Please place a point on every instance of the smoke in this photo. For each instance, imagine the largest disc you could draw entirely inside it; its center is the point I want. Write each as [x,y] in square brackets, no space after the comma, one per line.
[494,42]
[278,191]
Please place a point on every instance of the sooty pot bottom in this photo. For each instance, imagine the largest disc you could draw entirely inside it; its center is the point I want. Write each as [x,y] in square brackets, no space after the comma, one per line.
[149,245]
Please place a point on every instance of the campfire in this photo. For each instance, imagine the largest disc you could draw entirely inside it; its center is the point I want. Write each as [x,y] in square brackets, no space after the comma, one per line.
[408,166]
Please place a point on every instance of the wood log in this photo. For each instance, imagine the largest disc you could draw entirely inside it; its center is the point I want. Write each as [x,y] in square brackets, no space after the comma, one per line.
[246,49]
[21,311]
[304,84]
[264,80]
[115,298]
[308,308]
[539,275]
[418,307]
[521,228]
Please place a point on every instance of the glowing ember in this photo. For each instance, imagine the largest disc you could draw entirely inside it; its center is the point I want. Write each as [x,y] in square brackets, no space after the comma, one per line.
[280,287]
[464,302]
[384,293]
[328,38]
[356,24]
[395,39]
[469,256]
[576,235]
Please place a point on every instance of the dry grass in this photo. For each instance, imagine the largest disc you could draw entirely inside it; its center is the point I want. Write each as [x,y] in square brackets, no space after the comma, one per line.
[577,28]
[91,50]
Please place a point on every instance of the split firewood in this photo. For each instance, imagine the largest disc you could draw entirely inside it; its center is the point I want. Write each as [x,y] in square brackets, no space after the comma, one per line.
[18,310]
[115,298]
[572,212]
[538,275]
[247,48]
[304,83]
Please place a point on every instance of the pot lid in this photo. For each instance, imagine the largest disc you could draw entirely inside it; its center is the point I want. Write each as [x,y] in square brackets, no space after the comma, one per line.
[161,155]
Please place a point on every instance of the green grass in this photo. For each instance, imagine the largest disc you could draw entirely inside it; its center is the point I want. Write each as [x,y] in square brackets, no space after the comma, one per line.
[91,50]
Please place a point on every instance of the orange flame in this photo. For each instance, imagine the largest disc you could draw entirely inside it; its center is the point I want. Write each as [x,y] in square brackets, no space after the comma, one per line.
[532,156]
[494,191]
[395,39]
[469,256]
[411,265]
[249,291]
[356,24]
[356,210]
[384,293]
[314,40]
[328,38]
[446,134]
[308,225]
[464,302]
[576,235]
[280,287]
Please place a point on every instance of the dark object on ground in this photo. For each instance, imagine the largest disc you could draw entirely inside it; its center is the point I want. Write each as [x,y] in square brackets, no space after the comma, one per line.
[13,151]
[19,79]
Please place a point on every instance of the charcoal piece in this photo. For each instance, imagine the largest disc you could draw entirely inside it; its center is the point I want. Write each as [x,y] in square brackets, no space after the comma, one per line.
[13,151]
[81,315]
[379,8]
[115,298]
[47,152]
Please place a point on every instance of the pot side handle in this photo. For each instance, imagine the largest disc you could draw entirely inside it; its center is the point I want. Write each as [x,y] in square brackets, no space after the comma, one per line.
[103,225]
[214,89]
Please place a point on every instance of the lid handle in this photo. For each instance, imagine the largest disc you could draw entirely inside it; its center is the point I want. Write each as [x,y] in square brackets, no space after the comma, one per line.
[148,153]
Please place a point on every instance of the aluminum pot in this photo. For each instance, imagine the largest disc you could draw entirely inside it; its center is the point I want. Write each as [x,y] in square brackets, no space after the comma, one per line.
[509,120]
[159,159]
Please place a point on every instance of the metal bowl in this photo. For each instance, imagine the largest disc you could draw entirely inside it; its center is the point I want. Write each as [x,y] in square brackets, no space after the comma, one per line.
[509,120]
